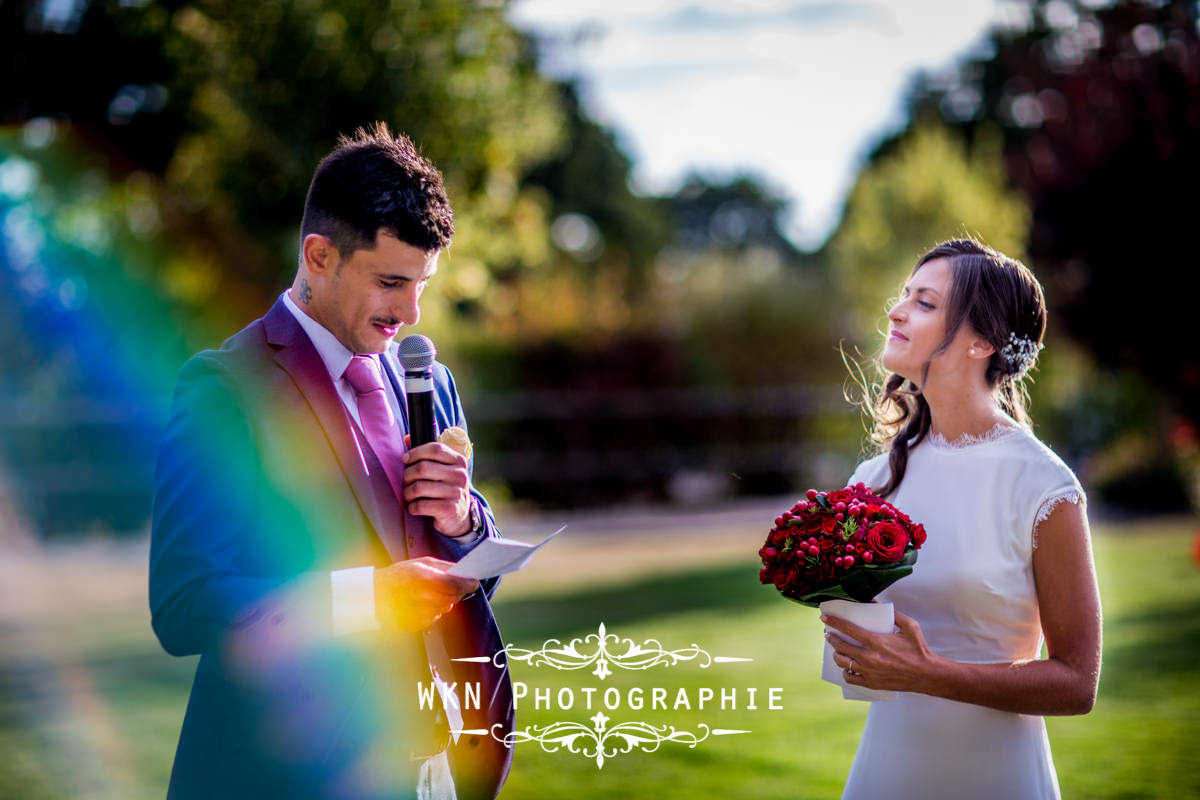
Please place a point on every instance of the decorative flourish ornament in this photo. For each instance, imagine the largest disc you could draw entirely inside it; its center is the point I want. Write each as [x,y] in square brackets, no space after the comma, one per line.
[603,743]
[579,654]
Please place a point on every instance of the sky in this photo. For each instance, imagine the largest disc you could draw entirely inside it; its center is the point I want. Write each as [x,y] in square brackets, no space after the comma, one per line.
[796,93]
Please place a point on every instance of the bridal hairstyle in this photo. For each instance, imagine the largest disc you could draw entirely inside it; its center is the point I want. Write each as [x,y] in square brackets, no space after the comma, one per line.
[376,180]
[996,296]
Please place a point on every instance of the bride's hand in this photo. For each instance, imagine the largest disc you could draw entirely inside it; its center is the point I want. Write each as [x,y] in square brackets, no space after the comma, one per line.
[900,661]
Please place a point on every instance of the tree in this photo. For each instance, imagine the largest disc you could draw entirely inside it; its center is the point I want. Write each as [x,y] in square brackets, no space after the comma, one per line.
[735,214]
[588,182]
[229,105]
[915,191]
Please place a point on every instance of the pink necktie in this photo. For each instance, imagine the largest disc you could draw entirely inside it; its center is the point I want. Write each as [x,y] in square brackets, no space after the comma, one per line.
[378,421]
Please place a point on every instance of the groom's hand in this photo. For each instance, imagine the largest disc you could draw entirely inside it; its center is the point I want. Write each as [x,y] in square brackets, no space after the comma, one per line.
[413,594]
[436,485]
[899,661]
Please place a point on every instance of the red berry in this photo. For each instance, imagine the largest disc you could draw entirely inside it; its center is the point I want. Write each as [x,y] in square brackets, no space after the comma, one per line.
[868,556]
[813,550]
[850,548]
[778,521]
[811,494]
[812,541]
[787,516]
[840,507]
[839,516]
[838,561]
[848,561]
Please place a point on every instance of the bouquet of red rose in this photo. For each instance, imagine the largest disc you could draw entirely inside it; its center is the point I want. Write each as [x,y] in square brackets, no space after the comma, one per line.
[847,545]
[844,545]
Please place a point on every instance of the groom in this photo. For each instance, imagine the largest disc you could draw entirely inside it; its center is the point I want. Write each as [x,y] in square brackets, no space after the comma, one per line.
[300,547]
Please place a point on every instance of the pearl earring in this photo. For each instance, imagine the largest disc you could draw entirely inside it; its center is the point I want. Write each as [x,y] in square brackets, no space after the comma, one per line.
[971,351]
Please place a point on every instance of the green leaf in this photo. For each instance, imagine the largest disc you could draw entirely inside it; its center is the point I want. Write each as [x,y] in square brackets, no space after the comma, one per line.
[862,583]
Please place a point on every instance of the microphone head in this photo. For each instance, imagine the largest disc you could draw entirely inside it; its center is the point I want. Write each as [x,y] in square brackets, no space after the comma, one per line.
[417,353]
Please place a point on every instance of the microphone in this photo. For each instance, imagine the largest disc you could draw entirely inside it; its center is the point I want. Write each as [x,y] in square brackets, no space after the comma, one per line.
[416,356]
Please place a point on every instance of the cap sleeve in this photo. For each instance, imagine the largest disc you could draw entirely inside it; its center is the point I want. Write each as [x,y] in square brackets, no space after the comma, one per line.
[1070,492]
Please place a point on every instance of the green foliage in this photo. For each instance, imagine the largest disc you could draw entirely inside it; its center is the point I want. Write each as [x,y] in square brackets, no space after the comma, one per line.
[591,176]
[863,584]
[276,82]
[230,106]
[925,188]
[728,305]
[736,214]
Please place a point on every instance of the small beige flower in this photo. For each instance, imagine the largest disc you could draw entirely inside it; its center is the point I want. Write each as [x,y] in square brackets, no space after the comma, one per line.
[456,439]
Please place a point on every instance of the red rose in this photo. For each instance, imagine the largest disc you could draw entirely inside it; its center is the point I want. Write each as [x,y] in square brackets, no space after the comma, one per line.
[919,535]
[887,540]
[841,496]
[784,577]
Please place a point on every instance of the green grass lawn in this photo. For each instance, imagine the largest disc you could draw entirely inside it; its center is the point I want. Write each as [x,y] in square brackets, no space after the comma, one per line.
[89,707]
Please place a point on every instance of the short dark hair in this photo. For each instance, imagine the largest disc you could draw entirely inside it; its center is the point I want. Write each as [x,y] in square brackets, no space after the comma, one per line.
[375,180]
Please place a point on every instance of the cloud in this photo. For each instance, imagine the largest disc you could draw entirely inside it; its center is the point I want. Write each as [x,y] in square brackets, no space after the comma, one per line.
[797,92]
[698,17]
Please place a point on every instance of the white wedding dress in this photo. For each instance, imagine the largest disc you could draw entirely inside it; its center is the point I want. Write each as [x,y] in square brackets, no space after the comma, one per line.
[972,591]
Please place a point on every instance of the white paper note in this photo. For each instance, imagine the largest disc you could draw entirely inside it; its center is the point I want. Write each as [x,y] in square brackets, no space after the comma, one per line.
[493,557]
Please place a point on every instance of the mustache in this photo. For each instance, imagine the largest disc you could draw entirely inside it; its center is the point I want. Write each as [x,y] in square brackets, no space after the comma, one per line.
[387,323]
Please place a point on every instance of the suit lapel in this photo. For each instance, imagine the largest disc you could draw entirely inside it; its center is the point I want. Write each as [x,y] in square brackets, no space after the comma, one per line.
[297,356]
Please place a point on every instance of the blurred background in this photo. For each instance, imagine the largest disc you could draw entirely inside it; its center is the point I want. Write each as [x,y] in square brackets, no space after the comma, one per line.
[675,221]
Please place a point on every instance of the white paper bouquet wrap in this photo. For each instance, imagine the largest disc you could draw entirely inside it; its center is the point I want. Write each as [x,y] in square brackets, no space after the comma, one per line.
[875,617]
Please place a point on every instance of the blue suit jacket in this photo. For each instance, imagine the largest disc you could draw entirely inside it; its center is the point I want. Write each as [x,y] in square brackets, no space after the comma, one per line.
[262,487]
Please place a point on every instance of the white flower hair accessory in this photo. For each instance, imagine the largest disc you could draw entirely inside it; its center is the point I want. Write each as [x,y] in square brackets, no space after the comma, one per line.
[1019,354]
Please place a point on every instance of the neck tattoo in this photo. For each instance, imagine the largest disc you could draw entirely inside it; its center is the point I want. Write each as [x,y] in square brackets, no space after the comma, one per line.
[305,291]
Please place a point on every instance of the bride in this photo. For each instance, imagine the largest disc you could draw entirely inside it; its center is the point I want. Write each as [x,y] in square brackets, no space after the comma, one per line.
[1008,560]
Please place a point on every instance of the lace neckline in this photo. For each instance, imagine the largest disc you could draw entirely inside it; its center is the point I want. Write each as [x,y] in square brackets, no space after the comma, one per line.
[1001,430]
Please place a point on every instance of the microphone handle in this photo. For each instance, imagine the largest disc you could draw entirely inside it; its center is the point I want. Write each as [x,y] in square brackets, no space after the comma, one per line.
[419,388]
